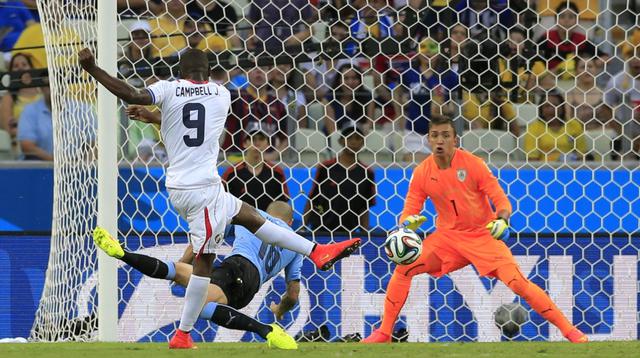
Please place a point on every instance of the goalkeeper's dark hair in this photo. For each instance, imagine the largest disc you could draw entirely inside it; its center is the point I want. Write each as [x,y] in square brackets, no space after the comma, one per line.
[438,120]
[194,61]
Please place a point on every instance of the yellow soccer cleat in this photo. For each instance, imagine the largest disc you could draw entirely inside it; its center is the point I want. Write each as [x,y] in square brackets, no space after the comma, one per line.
[278,338]
[106,243]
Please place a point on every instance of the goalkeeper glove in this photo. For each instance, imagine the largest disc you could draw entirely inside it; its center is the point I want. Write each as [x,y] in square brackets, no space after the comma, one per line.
[413,222]
[499,229]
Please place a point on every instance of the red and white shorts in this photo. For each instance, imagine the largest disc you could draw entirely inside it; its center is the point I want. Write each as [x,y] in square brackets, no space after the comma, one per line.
[208,211]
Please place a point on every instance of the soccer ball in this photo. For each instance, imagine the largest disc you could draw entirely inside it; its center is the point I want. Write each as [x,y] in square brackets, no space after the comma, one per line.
[509,318]
[403,246]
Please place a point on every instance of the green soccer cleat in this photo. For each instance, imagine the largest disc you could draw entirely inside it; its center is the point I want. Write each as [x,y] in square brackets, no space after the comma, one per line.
[106,243]
[278,338]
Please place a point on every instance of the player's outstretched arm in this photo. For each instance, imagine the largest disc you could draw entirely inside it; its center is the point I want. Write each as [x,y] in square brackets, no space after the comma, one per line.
[116,86]
[288,301]
[140,113]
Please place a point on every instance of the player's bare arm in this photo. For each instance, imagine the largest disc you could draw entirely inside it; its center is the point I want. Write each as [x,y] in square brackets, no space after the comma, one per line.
[142,114]
[119,88]
[288,301]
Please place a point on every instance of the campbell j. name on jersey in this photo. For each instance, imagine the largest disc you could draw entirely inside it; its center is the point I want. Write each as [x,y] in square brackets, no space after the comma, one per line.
[194,91]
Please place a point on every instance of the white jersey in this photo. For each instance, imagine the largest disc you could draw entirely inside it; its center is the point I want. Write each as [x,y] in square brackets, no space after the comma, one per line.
[193,119]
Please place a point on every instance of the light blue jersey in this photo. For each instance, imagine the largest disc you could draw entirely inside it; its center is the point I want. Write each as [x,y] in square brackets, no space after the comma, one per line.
[269,259]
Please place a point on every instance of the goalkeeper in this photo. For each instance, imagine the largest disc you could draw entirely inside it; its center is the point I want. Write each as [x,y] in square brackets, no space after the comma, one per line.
[468,230]
[237,280]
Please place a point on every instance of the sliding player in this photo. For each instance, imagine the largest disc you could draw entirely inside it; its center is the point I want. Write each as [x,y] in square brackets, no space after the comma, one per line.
[233,285]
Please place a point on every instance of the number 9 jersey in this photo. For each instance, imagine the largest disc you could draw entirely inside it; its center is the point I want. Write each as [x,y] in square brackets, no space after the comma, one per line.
[193,118]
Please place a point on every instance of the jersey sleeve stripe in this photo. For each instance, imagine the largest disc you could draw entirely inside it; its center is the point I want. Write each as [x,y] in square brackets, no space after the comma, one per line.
[153,96]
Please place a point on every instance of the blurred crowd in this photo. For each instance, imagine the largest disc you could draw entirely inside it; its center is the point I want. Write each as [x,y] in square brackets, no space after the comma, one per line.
[540,73]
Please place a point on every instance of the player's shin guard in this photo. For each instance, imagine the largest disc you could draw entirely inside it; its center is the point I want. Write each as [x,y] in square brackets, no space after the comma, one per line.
[279,236]
[228,317]
[195,298]
[535,297]
[397,292]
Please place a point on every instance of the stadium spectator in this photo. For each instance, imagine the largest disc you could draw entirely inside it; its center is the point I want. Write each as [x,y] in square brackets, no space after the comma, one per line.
[371,21]
[622,96]
[519,65]
[140,7]
[486,19]
[320,73]
[551,137]
[372,26]
[518,68]
[142,140]
[457,36]
[13,103]
[336,11]
[200,36]
[424,89]
[35,129]
[586,101]
[137,53]
[221,16]
[343,189]
[279,23]
[14,18]
[294,101]
[256,104]
[256,181]
[563,42]
[411,22]
[32,6]
[168,29]
[348,101]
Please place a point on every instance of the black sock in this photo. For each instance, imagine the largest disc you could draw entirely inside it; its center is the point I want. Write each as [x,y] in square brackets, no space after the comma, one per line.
[149,266]
[228,317]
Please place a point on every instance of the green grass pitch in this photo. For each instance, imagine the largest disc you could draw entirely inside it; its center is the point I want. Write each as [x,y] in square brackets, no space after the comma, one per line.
[326,350]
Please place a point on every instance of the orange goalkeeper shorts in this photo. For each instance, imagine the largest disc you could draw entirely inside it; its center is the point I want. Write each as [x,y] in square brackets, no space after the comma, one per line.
[457,249]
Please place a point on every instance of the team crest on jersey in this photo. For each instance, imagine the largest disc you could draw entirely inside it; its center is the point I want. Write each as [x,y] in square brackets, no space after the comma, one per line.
[462,174]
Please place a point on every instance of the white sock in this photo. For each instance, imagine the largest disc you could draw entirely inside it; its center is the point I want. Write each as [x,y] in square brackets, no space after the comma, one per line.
[279,236]
[194,301]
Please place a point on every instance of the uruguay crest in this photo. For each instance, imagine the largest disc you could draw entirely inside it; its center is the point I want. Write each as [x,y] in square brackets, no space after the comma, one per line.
[462,174]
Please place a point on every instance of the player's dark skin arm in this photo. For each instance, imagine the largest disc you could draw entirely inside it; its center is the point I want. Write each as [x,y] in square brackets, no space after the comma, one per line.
[140,113]
[288,301]
[119,88]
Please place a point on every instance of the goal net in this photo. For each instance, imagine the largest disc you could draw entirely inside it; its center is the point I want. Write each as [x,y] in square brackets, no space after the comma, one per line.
[556,120]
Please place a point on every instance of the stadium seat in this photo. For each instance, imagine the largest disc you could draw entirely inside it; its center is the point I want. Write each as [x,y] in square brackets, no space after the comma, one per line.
[5,146]
[311,145]
[491,145]
[316,113]
[599,143]
[526,113]
[376,149]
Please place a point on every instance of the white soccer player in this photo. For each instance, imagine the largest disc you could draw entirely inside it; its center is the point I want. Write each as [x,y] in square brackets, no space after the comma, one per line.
[194,112]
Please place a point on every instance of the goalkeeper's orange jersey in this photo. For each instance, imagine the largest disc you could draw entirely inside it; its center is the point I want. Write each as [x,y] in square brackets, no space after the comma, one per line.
[460,193]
